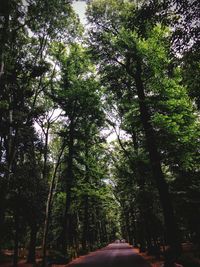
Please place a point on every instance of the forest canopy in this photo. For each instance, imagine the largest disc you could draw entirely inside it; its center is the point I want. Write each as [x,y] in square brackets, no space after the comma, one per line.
[99,127]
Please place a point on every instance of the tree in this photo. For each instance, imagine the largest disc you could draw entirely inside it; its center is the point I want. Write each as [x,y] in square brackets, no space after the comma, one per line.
[79,98]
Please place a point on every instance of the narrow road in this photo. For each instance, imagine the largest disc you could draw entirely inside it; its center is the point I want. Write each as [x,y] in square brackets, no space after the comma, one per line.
[114,255]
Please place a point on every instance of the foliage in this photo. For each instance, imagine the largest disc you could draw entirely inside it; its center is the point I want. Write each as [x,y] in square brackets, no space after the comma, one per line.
[136,71]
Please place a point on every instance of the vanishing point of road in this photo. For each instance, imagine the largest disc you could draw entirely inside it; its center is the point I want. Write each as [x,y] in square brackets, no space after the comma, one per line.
[114,255]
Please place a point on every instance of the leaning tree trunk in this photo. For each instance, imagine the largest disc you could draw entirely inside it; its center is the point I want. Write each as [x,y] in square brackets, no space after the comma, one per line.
[172,232]
[48,208]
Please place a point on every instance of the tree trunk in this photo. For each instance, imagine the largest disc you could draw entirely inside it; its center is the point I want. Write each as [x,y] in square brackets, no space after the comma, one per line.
[5,12]
[45,156]
[85,224]
[32,245]
[2,210]
[66,221]
[69,182]
[16,240]
[172,232]
[48,208]
[99,232]
[86,202]
[5,29]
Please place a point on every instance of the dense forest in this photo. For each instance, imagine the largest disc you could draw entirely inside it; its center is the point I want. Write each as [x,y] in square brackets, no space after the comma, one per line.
[99,127]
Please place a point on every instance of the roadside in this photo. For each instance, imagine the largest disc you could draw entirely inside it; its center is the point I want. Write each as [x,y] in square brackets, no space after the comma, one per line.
[150,259]
[188,259]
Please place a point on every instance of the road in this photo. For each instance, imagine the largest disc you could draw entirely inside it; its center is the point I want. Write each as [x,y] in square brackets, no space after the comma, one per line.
[114,255]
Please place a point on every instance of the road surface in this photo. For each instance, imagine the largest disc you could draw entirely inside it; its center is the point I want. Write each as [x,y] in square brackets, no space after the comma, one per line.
[114,255]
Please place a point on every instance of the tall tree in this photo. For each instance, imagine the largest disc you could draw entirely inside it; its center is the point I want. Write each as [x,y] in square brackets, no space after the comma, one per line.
[79,98]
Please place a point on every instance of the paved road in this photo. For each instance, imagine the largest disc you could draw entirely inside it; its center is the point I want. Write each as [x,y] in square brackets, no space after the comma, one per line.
[114,255]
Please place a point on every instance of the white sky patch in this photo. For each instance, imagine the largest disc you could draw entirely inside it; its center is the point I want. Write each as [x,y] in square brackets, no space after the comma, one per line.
[80,8]
[55,115]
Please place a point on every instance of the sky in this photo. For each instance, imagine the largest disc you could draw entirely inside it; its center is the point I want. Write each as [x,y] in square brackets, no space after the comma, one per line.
[79,7]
